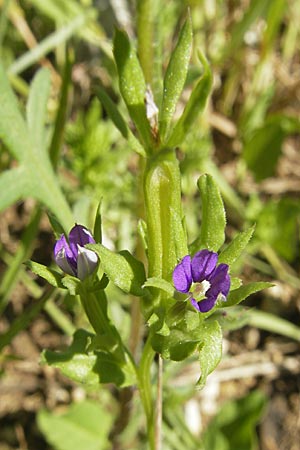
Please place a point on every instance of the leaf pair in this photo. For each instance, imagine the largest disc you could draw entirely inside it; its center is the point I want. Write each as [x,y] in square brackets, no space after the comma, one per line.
[133,89]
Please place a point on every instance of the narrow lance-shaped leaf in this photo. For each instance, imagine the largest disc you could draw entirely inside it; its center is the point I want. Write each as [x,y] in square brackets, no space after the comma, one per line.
[119,121]
[238,295]
[213,220]
[37,109]
[122,269]
[61,114]
[175,77]
[132,84]
[194,106]
[236,246]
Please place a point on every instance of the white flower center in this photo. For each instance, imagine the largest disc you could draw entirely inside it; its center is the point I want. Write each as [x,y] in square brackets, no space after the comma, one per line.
[200,289]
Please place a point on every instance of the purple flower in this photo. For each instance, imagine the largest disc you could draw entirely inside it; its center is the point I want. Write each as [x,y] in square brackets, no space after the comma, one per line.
[203,279]
[72,257]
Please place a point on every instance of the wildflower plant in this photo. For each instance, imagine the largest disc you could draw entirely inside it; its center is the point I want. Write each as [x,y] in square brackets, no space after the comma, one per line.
[181,286]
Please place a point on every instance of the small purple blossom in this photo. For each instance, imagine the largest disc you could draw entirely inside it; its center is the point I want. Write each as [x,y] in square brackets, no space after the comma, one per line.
[203,279]
[72,257]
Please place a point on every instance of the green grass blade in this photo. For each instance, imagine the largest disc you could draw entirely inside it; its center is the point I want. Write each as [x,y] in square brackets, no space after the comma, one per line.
[37,109]
[257,8]
[48,44]
[60,121]
[272,323]
[13,129]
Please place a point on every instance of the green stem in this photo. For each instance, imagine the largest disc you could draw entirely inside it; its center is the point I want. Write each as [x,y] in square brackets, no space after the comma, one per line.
[95,309]
[166,235]
[158,406]
[145,389]
[166,244]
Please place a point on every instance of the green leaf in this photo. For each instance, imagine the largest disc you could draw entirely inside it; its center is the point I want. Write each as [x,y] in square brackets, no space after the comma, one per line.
[54,278]
[236,246]
[277,225]
[194,106]
[212,231]
[132,84]
[238,295]
[81,364]
[37,109]
[122,269]
[210,350]
[37,178]
[161,284]
[261,152]
[274,20]
[84,425]
[235,319]
[274,324]
[57,138]
[97,231]
[15,184]
[175,77]
[177,345]
[13,130]
[234,427]
[119,121]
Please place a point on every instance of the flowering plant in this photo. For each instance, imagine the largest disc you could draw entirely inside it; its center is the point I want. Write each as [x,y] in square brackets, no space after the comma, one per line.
[180,295]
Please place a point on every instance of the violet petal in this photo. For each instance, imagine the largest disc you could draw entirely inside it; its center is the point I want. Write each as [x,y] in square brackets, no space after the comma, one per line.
[79,235]
[207,304]
[62,262]
[195,304]
[182,276]
[219,281]
[203,264]
[64,257]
